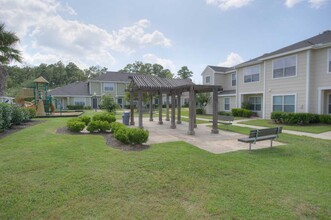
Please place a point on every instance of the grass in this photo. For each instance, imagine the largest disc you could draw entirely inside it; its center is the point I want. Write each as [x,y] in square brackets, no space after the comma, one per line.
[313,128]
[48,175]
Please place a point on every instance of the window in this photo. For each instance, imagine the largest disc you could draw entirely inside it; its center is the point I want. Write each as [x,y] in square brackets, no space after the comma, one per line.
[108,87]
[252,74]
[284,103]
[329,60]
[234,79]
[226,104]
[207,79]
[80,101]
[156,101]
[330,104]
[255,103]
[284,67]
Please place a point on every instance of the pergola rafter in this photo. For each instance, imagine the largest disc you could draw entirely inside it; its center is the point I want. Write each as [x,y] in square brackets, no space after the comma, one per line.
[172,88]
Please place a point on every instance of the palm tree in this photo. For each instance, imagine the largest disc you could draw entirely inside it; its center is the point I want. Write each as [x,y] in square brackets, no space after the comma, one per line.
[7,54]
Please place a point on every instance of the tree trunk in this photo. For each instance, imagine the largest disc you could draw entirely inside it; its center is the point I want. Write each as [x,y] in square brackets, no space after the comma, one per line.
[3,80]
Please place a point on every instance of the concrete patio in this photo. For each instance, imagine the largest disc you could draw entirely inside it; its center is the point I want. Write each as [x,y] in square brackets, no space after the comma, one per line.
[215,143]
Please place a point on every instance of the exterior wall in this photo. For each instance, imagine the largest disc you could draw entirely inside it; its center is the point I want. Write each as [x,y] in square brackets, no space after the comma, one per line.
[208,72]
[121,89]
[295,85]
[245,98]
[225,81]
[252,86]
[95,88]
[319,77]
[113,92]
[221,103]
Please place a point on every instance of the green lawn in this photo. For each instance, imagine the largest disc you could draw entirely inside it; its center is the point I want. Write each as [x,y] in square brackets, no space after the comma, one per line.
[314,128]
[51,176]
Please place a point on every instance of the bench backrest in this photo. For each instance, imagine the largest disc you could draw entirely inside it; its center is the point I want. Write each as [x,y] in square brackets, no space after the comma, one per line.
[265,132]
[225,118]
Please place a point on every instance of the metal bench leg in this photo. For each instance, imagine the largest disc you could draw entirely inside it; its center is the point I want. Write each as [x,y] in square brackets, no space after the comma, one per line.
[250,146]
[271,143]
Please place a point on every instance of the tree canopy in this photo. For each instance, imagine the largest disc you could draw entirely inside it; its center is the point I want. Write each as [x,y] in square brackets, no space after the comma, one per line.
[8,53]
[148,69]
[184,73]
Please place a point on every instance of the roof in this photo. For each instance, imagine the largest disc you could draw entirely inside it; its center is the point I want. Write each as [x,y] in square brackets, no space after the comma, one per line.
[113,76]
[77,88]
[317,40]
[41,80]
[220,68]
[157,84]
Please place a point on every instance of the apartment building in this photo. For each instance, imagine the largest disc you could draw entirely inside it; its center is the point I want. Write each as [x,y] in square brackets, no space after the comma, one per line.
[296,78]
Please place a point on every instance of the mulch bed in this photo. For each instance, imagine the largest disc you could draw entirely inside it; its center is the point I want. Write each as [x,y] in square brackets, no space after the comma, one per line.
[16,128]
[110,140]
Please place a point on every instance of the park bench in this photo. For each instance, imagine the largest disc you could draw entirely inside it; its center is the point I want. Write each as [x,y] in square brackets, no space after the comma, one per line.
[225,119]
[262,135]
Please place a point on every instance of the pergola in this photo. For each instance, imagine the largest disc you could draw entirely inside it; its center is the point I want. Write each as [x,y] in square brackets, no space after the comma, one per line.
[172,88]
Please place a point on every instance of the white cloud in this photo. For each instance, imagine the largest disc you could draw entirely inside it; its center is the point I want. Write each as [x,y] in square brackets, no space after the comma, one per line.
[231,60]
[166,63]
[227,4]
[313,3]
[47,35]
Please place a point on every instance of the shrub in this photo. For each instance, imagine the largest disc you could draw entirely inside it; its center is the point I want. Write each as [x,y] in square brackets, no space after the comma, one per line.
[93,126]
[224,113]
[115,126]
[199,111]
[241,112]
[6,115]
[104,125]
[17,115]
[109,117]
[26,114]
[32,112]
[325,119]
[75,107]
[86,119]
[246,105]
[137,135]
[75,125]
[87,107]
[121,134]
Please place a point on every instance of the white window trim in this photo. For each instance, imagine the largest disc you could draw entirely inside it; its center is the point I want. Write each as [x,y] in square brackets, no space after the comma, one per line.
[256,96]
[250,93]
[296,67]
[103,86]
[320,105]
[225,103]
[328,59]
[295,100]
[244,74]
[205,79]
[235,74]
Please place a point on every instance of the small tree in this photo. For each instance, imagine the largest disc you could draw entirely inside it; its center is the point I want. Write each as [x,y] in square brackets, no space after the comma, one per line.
[184,73]
[108,103]
[202,100]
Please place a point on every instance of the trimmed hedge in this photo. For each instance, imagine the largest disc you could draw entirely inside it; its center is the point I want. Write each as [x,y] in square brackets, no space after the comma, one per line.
[75,107]
[86,119]
[241,112]
[94,126]
[129,135]
[299,118]
[109,117]
[6,111]
[75,125]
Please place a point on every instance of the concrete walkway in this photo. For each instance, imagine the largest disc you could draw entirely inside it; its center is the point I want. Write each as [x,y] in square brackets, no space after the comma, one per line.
[215,143]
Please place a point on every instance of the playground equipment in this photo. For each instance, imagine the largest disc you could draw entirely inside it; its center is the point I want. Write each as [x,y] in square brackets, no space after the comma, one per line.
[42,101]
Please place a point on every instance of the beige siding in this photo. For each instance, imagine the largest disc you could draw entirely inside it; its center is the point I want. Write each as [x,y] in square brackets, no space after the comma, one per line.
[113,92]
[208,72]
[249,87]
[221,102]
[226,82]
[121,89]
[95,88]
[287,86]
[319,76]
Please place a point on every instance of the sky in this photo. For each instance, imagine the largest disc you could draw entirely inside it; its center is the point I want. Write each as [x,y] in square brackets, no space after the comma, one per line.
[173,33]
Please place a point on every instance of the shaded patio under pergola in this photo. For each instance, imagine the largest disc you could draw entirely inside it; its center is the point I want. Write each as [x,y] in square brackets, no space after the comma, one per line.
[156,86]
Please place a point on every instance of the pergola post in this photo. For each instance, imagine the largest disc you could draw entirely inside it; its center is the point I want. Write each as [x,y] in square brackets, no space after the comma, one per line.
[151,107]
[167,108]
[160,109]
[179,121]
[191,111]
[132,108]
[173,111]
[215,112]
[140,109]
